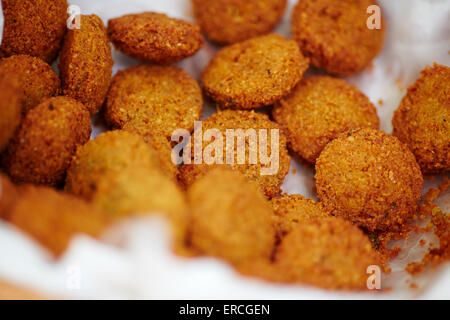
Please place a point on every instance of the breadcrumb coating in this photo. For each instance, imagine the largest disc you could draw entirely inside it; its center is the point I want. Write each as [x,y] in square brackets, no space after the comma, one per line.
[231,219]
[41,150]
[329,253]
[154,37]
[35,78]
[235,119]
[33,27]
[153,100]
[11,101]
[318,110]
[86,63]
[422,120]
[110,152]
[231,21]
[335,35]
[53,218]
[369,178]
[292,210]
[254,73]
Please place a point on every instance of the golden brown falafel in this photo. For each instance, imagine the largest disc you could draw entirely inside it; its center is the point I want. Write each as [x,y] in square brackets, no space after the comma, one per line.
[33,27]
[231,21]
[335,35]
[112,151]
[235,119]
[48,136]
[153,100]
[291,210]
[231,219]
[320,108]
[86,63]
[254,73]
[370,178]
[330,253]
[36,78]
[154,37]
[422,120]
[11,101]
[52,218]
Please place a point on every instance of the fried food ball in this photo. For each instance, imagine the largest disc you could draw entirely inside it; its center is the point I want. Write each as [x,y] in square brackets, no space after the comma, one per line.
[8,196]
[11,100]
[113,152]
[335,35]
[422,120]
[291,210]
[49,135]
[320,108]
[36,78]
[231,219]
[154,37]
[86,63]
[330,253]
[370,178]
[141,190]
[254,73]
[52,218]
[33,27]
[231,21]
[153,100]
[268,173]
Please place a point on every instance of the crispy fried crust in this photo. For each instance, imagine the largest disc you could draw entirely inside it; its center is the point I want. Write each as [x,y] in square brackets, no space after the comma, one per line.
[231,21]
[330,253]
[254,73]
[154,37]
[292,210]
[36,78]
[320,108]
[11,101]
[234,119]
[153,100]
[33,27]
[86,63]
[41,150]
[370,178]
[334,34]
[112,151]
[53,218]
[422,120]
[231,219]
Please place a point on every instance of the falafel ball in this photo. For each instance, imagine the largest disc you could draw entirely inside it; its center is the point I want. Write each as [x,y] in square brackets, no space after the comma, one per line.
[154,100]
[86,63]
[268,173]
[318,110]
[36,78]
[112,151]
[422,120]
[254,73]
[139,191]
[52,218]
[369,178]
[41,150]
[291,210]
[231,219]
[335,34]
[231,21]
[154,37]
[33,27]
[11,101]
[330,253]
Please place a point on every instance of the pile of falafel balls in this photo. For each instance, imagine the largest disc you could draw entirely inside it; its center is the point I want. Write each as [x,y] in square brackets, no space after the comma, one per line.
[57,182]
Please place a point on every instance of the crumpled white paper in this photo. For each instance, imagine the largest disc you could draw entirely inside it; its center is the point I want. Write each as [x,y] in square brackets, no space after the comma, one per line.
[135,260]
